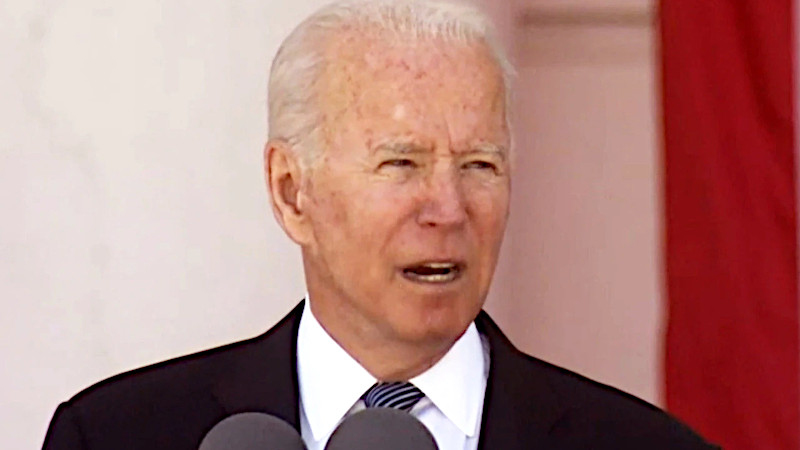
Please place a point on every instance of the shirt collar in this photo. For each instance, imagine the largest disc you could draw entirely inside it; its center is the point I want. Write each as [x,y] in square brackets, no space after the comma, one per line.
[456,384]
[331,381]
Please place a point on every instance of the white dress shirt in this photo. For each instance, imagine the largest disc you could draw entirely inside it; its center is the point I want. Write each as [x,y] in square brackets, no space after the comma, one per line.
[332,383]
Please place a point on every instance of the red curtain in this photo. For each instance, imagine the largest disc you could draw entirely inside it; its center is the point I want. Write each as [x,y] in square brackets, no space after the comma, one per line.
[732,357]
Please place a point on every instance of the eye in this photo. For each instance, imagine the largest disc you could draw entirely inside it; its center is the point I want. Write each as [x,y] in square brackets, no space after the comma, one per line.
[480,165]
[400,163]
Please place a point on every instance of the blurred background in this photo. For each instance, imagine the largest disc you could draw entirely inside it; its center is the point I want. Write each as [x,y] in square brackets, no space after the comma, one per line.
[136,226]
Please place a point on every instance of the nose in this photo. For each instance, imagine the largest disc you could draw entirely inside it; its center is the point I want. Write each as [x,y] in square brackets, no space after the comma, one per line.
[444,203]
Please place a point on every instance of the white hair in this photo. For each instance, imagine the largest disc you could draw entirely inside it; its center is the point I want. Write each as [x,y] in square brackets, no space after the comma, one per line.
[294,114]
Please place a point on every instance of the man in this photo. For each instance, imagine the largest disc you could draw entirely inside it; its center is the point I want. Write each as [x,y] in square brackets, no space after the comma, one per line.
[389,164]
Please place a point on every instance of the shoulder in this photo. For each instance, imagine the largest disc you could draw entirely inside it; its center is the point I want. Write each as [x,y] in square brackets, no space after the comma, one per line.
[150,404]
[186,376]
[172,404]
[610,418]
[573,410]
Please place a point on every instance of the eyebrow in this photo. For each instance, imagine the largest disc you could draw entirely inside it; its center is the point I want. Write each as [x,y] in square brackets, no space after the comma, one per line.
[408,147]
[401,147]
[488,147]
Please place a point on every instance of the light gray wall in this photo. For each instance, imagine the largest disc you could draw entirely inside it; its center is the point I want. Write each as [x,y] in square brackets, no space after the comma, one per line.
[135,223]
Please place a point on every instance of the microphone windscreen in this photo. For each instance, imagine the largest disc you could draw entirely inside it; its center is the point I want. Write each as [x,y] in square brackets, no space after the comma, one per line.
[252,431]
[381,428]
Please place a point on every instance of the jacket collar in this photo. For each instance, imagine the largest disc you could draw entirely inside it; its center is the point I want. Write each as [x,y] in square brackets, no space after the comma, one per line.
[519,408]
[261,375]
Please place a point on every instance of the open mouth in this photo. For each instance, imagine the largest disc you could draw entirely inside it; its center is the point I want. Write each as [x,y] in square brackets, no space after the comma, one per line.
[433,272]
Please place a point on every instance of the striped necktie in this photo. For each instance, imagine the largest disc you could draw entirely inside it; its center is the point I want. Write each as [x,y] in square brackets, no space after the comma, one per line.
[398,395]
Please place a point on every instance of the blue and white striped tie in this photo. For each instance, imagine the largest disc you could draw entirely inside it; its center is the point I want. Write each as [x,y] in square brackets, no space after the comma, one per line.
[398,395]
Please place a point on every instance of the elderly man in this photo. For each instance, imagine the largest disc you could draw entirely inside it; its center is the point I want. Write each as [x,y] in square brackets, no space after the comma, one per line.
[389,164]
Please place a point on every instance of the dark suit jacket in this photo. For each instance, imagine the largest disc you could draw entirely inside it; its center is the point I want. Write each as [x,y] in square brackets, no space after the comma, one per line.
[529,404]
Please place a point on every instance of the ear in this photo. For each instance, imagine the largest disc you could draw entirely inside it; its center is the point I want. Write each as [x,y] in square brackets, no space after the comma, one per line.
[285,184]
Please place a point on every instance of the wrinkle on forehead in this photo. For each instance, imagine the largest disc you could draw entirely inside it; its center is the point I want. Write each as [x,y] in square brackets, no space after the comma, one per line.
[412,80]
[356,53]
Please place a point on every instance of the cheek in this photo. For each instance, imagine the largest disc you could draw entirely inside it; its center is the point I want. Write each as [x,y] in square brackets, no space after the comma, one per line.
[362,216]
[489,194]
[330,211]
[331,218]
[387,207]
[489,208]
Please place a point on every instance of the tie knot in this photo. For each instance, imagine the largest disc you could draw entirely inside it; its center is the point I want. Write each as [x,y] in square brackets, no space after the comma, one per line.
[398,395]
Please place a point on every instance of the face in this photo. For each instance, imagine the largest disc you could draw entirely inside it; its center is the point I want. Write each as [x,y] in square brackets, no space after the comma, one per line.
[407,208]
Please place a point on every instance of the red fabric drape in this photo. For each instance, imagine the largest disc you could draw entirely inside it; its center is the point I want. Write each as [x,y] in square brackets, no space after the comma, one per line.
[732,356]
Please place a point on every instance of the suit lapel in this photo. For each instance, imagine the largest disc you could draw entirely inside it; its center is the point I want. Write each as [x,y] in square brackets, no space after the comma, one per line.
[262,375]
[520,408]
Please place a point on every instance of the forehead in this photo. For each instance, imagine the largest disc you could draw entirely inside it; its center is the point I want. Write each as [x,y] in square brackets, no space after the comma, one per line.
[424,82]
[385,52]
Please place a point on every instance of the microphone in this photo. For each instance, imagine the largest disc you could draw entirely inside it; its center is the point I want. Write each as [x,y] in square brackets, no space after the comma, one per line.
[381,428]
[252,431]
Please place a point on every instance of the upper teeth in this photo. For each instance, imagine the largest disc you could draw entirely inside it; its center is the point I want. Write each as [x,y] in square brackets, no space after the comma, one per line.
[435,272]
[437,265]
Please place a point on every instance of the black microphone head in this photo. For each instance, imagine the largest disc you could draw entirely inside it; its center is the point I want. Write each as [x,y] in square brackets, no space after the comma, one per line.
[381,428]
[252,431]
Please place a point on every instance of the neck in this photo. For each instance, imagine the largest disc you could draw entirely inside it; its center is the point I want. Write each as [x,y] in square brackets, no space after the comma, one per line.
[384,358]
